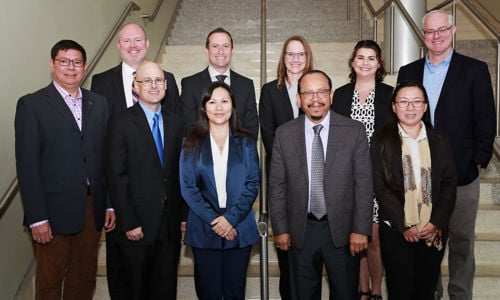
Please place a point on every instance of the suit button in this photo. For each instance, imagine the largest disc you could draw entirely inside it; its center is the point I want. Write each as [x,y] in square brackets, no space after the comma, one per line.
[85,159]
[164,198]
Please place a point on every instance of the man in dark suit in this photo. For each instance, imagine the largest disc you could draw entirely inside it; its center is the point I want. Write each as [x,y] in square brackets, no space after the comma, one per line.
[219,49]
[143,149]
[116,85]
[343,193]
[462,107]
[60,133]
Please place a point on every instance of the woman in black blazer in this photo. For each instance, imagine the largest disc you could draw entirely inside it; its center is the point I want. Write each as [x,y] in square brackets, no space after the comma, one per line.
[366,99]
[277,106]
[415,182]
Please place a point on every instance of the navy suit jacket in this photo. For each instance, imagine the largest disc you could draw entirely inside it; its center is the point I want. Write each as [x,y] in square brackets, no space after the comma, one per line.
[200,192]
[342,101]
[244,94]
[465,112]
[55,159]
[110,84]
[275,109]
[140,187]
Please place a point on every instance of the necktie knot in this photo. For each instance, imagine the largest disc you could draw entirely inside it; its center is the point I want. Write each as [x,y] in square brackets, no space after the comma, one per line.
[221,78]
[156,118]
[317,128]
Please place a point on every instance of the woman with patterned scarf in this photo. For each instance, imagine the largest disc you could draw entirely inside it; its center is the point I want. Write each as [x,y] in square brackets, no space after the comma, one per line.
[415,183]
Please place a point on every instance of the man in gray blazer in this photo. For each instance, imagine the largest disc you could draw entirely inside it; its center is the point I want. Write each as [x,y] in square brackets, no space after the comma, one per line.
[334,237]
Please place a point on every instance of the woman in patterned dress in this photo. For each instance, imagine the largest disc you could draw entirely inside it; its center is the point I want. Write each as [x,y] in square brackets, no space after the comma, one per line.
[367,99]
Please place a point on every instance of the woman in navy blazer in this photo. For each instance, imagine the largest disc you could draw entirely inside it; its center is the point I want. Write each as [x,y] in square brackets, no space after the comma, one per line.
[219,169]
[366,99]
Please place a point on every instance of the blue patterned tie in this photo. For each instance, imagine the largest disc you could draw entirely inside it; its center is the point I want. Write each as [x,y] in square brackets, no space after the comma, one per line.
[157,137]
[318,207]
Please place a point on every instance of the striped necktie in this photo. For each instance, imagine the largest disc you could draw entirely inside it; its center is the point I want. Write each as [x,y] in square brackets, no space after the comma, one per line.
[135,94]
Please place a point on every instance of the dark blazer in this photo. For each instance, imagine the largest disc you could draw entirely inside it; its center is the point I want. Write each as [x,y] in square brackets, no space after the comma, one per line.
[348,181]
[55,159]
[444,181]
[139,186]
[200,192]
[275,109]
[465,112]
[243,90]
[342,101]
[110,84]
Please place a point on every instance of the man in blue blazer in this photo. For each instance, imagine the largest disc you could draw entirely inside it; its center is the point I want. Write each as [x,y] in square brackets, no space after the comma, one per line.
[462,107]
[143,175]
[60,132]
[219,49]
[116,85]
[335,238]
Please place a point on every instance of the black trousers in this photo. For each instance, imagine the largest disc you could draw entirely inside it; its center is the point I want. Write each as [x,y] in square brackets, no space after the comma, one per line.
[411,269]
[151,270]
[318,251]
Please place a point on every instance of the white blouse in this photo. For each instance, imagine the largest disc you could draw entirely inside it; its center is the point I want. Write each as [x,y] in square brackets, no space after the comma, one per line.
[220,169]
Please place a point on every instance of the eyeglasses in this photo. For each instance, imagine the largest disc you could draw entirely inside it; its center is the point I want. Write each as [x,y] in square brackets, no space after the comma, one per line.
[405,103]
[64,62]
[299,55]
[149,81]
[440,30]
[322,94]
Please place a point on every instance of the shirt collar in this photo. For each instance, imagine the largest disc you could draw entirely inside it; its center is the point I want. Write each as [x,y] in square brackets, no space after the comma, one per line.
[65,94]
[445,62]
[325,123]
[149,113]
[214,73]
[127,70]
[422,134]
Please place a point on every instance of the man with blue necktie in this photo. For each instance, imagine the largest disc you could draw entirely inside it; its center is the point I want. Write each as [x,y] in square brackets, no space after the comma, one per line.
[143,149]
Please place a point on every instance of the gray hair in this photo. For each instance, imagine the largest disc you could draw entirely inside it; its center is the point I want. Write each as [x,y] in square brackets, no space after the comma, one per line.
[450,17]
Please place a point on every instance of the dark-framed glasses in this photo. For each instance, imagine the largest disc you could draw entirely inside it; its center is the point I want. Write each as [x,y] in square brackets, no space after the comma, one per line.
[322,94]
[299,55]
[149,81]
[440,30]
[406,103]
[64,62]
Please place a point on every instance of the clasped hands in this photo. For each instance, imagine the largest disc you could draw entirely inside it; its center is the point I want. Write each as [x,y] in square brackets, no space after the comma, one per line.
[414,235]
[223,228]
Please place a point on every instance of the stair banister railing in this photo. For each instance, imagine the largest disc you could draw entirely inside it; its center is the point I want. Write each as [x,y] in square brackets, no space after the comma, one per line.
[130,7]
[262,225]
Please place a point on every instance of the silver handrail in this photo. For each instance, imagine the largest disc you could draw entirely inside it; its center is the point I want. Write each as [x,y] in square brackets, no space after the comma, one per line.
[130,7]
[263,226]
[151,17]
[169,29]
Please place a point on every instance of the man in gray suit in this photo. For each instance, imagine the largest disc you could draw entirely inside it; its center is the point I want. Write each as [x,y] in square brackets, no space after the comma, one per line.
[325,220]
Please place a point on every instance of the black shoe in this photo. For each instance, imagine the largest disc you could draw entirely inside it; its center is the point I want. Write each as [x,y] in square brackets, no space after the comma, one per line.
[368,293]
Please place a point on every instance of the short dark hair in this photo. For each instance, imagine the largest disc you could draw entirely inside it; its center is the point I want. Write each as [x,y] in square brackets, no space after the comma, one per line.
[314,72]
[67,45]
[218,30]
